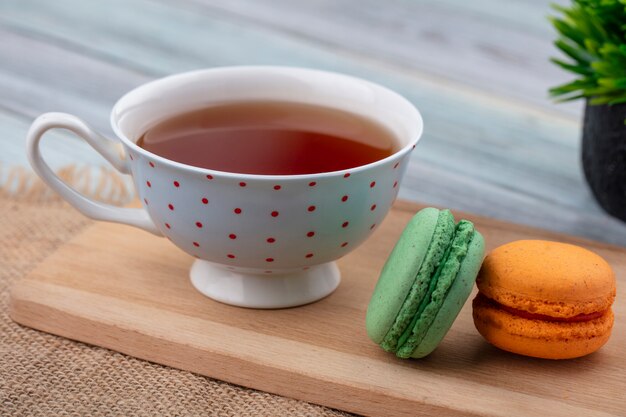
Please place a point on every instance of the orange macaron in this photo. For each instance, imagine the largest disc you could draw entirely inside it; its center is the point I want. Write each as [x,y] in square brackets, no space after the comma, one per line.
[545,299]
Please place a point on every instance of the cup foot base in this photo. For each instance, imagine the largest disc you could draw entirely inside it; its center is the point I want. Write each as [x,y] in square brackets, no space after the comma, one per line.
[264,291]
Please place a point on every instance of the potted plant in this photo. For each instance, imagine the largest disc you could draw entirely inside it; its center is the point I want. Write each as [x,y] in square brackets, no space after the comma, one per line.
[592,35]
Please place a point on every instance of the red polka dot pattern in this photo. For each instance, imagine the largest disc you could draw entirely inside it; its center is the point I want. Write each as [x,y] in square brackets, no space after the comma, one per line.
[325,203]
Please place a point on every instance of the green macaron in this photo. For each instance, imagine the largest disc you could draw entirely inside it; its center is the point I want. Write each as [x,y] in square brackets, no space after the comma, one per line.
[424,283]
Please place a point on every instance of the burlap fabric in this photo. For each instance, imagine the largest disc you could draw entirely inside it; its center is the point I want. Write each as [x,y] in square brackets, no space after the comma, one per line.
[46,375]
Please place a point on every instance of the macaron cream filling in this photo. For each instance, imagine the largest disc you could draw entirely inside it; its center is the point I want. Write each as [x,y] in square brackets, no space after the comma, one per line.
[534,316]
[442,236]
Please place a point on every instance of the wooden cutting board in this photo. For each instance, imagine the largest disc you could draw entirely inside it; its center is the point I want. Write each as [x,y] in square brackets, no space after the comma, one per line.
[123,289]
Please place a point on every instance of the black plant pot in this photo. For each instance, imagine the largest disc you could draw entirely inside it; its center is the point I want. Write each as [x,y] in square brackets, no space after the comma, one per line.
[604,156]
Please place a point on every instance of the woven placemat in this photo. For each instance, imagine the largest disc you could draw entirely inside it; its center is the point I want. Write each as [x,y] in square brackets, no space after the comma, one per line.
[46,375]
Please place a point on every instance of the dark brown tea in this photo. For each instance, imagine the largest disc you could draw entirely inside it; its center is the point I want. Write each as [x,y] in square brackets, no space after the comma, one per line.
[274,138]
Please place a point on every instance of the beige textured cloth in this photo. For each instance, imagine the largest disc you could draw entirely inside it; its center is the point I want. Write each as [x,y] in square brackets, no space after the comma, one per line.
[46,375]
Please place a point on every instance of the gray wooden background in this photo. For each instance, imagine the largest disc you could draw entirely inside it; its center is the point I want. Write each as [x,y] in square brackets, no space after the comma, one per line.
[494,143]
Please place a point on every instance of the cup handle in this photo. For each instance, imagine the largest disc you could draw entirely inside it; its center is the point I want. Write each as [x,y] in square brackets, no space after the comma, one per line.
[137,217]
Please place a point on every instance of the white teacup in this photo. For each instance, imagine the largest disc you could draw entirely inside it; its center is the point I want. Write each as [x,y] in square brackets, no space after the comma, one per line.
[262,241]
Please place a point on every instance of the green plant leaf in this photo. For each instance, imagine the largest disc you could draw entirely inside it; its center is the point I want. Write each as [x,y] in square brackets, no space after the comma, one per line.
[607,69]
[568,31]
[600,100]
[578,84]
[577,54]
[619,100]
[578,69]
[563,99]
[613,83]
[598,91]
[592,47]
